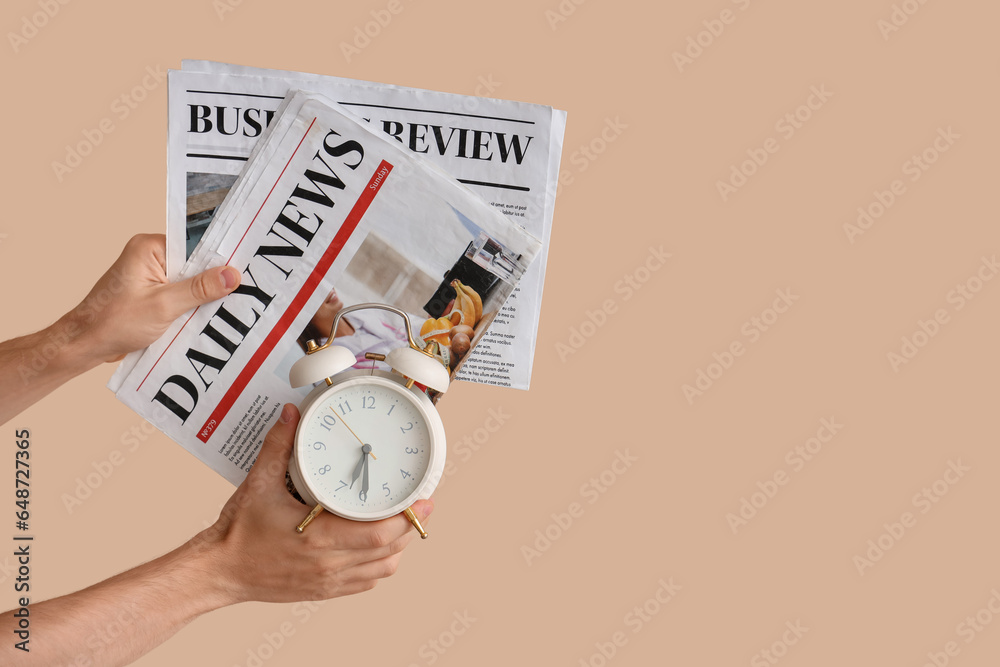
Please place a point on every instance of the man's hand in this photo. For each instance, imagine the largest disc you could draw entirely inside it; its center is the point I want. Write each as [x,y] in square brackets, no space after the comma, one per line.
[129,308]
[133,303]
[251,553]
[259,556]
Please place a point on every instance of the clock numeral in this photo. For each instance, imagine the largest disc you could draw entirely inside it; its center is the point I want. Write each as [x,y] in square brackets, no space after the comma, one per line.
[408,427]
[363,496]
[341,406]
[342,485]
[318,445]
[391,408]
[325,469]
[404,473]
[410,450]
[328,421]
[366,404]
[385,485]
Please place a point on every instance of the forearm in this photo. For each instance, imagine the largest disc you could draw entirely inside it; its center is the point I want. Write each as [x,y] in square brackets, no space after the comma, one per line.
[33,366]
[120,619]
[130,307]
[244,556]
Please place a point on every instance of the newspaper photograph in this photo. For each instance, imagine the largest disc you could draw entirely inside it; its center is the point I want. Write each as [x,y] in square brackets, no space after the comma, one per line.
[327,214]
[505,152]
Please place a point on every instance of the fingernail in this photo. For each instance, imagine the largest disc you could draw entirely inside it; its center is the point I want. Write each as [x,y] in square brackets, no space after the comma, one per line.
[229,277]
[427,509]
[286,413]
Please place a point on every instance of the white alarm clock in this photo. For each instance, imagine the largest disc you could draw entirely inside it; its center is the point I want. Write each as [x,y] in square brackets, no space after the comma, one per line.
[369,443]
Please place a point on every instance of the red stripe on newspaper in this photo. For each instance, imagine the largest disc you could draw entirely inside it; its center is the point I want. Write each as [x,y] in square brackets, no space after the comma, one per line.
[295,307]
[269,192]
[234,251]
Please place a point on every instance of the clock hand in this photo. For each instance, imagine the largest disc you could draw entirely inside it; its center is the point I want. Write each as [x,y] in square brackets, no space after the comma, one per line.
[367,449]
[341,417]
[357,469]
[364,480]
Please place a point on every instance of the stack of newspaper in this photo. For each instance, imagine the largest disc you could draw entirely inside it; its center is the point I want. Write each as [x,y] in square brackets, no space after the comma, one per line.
[326,193]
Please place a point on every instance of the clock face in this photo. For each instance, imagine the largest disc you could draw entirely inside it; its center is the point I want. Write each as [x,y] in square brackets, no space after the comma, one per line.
[365,446]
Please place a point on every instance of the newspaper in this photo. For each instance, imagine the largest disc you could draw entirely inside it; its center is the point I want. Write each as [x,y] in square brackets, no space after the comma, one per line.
[506,152]
[327,213]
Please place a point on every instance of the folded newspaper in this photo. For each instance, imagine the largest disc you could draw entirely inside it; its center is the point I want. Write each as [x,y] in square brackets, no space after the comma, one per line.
[506,152]
[327,212]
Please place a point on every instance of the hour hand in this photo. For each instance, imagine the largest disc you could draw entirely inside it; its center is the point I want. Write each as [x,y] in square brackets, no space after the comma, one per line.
[365,451]
[357,469]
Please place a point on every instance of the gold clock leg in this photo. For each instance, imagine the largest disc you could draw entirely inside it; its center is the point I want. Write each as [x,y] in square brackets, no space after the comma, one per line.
[309,517]
[416,522]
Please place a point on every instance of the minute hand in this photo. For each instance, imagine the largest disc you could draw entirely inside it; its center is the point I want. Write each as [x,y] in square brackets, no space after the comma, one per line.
[364,480]
[353,433]
[366,449]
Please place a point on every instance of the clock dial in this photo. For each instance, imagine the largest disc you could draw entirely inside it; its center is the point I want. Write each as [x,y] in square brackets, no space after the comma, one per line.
[364,446]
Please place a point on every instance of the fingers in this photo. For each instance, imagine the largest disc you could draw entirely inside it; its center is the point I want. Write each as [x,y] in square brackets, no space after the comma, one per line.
[143,247]
[187,294]
[369,535]
[142,244]
[355,588]
[359,556]
[272,461]
[372,570]
[338,577]
[423,509]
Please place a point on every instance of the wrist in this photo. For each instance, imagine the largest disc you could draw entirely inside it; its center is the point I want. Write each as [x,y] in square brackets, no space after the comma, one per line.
[71,334]
[209,557]
[54,355]
[200,564]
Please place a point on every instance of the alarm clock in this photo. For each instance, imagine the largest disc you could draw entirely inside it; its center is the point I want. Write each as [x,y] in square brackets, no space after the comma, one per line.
[369,443]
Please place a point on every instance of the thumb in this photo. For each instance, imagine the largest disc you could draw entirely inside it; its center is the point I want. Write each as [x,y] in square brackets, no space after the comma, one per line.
[207,286]
[272,460]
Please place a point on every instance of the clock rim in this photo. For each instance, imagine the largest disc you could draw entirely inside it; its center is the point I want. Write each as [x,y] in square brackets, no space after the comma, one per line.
[435,428]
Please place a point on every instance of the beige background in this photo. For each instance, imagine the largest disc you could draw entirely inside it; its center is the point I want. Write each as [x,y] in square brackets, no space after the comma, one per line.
[654,185]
